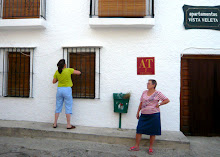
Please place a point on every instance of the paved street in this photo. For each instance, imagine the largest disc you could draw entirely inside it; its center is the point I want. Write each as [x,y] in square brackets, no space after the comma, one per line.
[205,146]
[47,147]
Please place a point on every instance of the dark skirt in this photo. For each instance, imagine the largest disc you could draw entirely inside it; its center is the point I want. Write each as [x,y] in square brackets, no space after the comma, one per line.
[149,124]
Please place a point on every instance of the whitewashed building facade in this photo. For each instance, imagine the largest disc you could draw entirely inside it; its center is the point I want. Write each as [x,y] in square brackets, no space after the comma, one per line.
[69,26]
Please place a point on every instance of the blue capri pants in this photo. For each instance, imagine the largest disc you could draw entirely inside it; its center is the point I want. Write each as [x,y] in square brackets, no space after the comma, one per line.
[64,94]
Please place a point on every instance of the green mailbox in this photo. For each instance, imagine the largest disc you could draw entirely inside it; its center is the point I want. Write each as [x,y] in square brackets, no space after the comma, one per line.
[121,102]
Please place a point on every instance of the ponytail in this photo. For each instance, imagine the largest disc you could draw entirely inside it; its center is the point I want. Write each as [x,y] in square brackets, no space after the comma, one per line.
[60,65]
[60,69]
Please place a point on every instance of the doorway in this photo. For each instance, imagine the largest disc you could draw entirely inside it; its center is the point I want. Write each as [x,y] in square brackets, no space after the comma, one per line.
[200,93]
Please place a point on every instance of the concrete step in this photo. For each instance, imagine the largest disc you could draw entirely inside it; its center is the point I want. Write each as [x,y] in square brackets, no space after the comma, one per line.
[126,137]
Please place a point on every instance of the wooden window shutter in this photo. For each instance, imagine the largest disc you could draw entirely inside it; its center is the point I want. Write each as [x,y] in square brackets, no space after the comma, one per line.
[84,84]
[110,8]
[19,9]
[122,8]
[19,74]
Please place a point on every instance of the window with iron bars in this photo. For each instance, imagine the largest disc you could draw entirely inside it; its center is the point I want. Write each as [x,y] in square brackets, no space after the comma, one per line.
[86,60]
[17,72]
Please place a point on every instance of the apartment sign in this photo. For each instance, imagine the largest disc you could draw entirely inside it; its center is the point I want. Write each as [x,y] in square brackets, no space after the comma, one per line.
[201,17]
[145,66]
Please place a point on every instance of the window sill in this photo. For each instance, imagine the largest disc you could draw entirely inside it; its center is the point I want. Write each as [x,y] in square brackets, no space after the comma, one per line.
[122,22]
[22,23]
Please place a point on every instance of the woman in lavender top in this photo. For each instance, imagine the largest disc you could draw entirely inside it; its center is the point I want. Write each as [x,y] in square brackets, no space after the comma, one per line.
[149,121]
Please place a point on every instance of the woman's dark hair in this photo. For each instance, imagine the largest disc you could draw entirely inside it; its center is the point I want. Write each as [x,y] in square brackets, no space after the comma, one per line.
[60,65]
[154,82]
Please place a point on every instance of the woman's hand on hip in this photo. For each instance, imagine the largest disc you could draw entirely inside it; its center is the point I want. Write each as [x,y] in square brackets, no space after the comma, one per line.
[158,105]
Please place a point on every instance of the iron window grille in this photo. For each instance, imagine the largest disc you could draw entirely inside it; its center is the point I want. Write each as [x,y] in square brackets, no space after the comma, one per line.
[19,9]
[16,70]
[86,60]
[122,8]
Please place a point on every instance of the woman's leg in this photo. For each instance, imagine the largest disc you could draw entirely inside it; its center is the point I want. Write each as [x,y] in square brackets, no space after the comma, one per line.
[138,135]
[56,118]
[68,120]
[152,139]
[59,105]
[138,139]
[68,99]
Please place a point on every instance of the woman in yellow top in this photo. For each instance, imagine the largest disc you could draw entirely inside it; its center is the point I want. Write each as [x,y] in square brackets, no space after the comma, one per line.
[64,91]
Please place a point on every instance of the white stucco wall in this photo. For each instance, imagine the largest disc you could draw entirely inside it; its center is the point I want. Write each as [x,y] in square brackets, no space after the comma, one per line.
[68,24]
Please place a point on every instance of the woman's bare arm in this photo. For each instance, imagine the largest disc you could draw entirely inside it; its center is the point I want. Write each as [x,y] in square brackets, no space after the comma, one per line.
[138,112]
[163,102]
[76,72]
[55,80]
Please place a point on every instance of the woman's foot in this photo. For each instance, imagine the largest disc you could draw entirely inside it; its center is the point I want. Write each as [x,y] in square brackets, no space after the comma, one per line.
[71,127]
[134,148]
[54,126]
[150,151]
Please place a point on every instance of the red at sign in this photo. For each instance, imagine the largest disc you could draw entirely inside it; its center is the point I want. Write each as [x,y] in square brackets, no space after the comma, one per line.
[145,66]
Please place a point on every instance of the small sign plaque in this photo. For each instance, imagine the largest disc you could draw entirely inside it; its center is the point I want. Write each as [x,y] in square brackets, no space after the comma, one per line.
[145,66]
[201,17]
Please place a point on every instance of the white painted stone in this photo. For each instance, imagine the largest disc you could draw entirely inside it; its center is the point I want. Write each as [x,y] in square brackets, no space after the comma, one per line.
[122,22]
[7,24]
